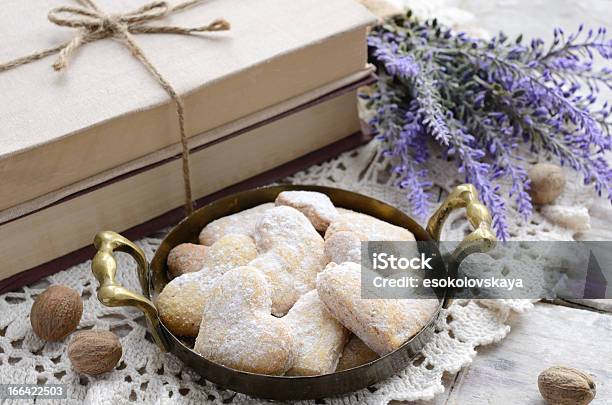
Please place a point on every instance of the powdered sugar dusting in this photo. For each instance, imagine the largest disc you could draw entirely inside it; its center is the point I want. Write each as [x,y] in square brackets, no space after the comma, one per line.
[355,353]
[320,338]
[243,222]
[289,235]
[180,302]
[276,270]
[368,228]
[343,246]
[317,207]
[237,329]
[382,324]
[186,258]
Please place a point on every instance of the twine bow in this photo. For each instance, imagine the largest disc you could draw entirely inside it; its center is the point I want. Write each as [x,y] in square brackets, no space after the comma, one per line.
[93,25]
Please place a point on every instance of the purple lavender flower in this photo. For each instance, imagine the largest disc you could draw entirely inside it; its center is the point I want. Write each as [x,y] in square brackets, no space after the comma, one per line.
[403,131]
[403,66]
[480,100]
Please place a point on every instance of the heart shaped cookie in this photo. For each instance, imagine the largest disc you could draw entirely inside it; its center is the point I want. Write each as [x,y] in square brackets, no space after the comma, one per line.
[368,227]
[237,329]
[382,324]
[285,235]
[319,337]
[344,236]
[186,258]
[277,270]
[343,246]
[180,302]
[243,223]
[317,207]
[355,354]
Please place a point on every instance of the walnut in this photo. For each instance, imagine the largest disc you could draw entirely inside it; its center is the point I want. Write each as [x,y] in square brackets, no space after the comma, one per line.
[566,386]
[94,351]
[56,313]
[547,182]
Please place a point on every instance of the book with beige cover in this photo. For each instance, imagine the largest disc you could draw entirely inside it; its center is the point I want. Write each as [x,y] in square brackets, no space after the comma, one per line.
[106,109]
[97,146]
[55,236]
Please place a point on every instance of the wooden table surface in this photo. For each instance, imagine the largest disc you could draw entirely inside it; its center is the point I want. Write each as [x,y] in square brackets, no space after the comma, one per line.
[551,334]
[575,334]
[558,333]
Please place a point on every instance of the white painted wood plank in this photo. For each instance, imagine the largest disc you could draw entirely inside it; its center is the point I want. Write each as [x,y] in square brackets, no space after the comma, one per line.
[548,335]
[602,305]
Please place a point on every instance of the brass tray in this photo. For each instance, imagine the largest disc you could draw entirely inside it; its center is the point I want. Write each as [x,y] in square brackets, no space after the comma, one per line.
[154,276]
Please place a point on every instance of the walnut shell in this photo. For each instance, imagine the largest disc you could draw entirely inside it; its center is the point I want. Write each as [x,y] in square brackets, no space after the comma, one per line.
[56,313]
[547,182]
[94,351]
[566,386]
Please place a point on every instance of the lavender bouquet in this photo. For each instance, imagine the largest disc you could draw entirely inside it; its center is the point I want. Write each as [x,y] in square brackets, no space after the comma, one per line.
[480,100]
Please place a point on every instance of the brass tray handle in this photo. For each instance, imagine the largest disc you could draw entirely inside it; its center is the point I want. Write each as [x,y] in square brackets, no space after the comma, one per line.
[111,293]
[482,239]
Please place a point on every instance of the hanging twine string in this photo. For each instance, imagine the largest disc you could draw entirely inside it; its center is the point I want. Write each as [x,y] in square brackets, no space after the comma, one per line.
[93,25]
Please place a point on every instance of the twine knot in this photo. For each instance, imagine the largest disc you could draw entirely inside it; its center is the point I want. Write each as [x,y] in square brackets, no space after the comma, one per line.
[112,24]
[93,24]
[93,20]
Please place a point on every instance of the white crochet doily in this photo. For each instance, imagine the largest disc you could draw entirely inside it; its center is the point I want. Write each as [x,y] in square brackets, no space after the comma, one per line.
[146,375]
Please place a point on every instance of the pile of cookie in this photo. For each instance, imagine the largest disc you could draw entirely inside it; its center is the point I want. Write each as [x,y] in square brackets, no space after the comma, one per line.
[265,292]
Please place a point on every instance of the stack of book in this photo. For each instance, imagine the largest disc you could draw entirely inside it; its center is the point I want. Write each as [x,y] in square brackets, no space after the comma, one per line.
[96,147]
